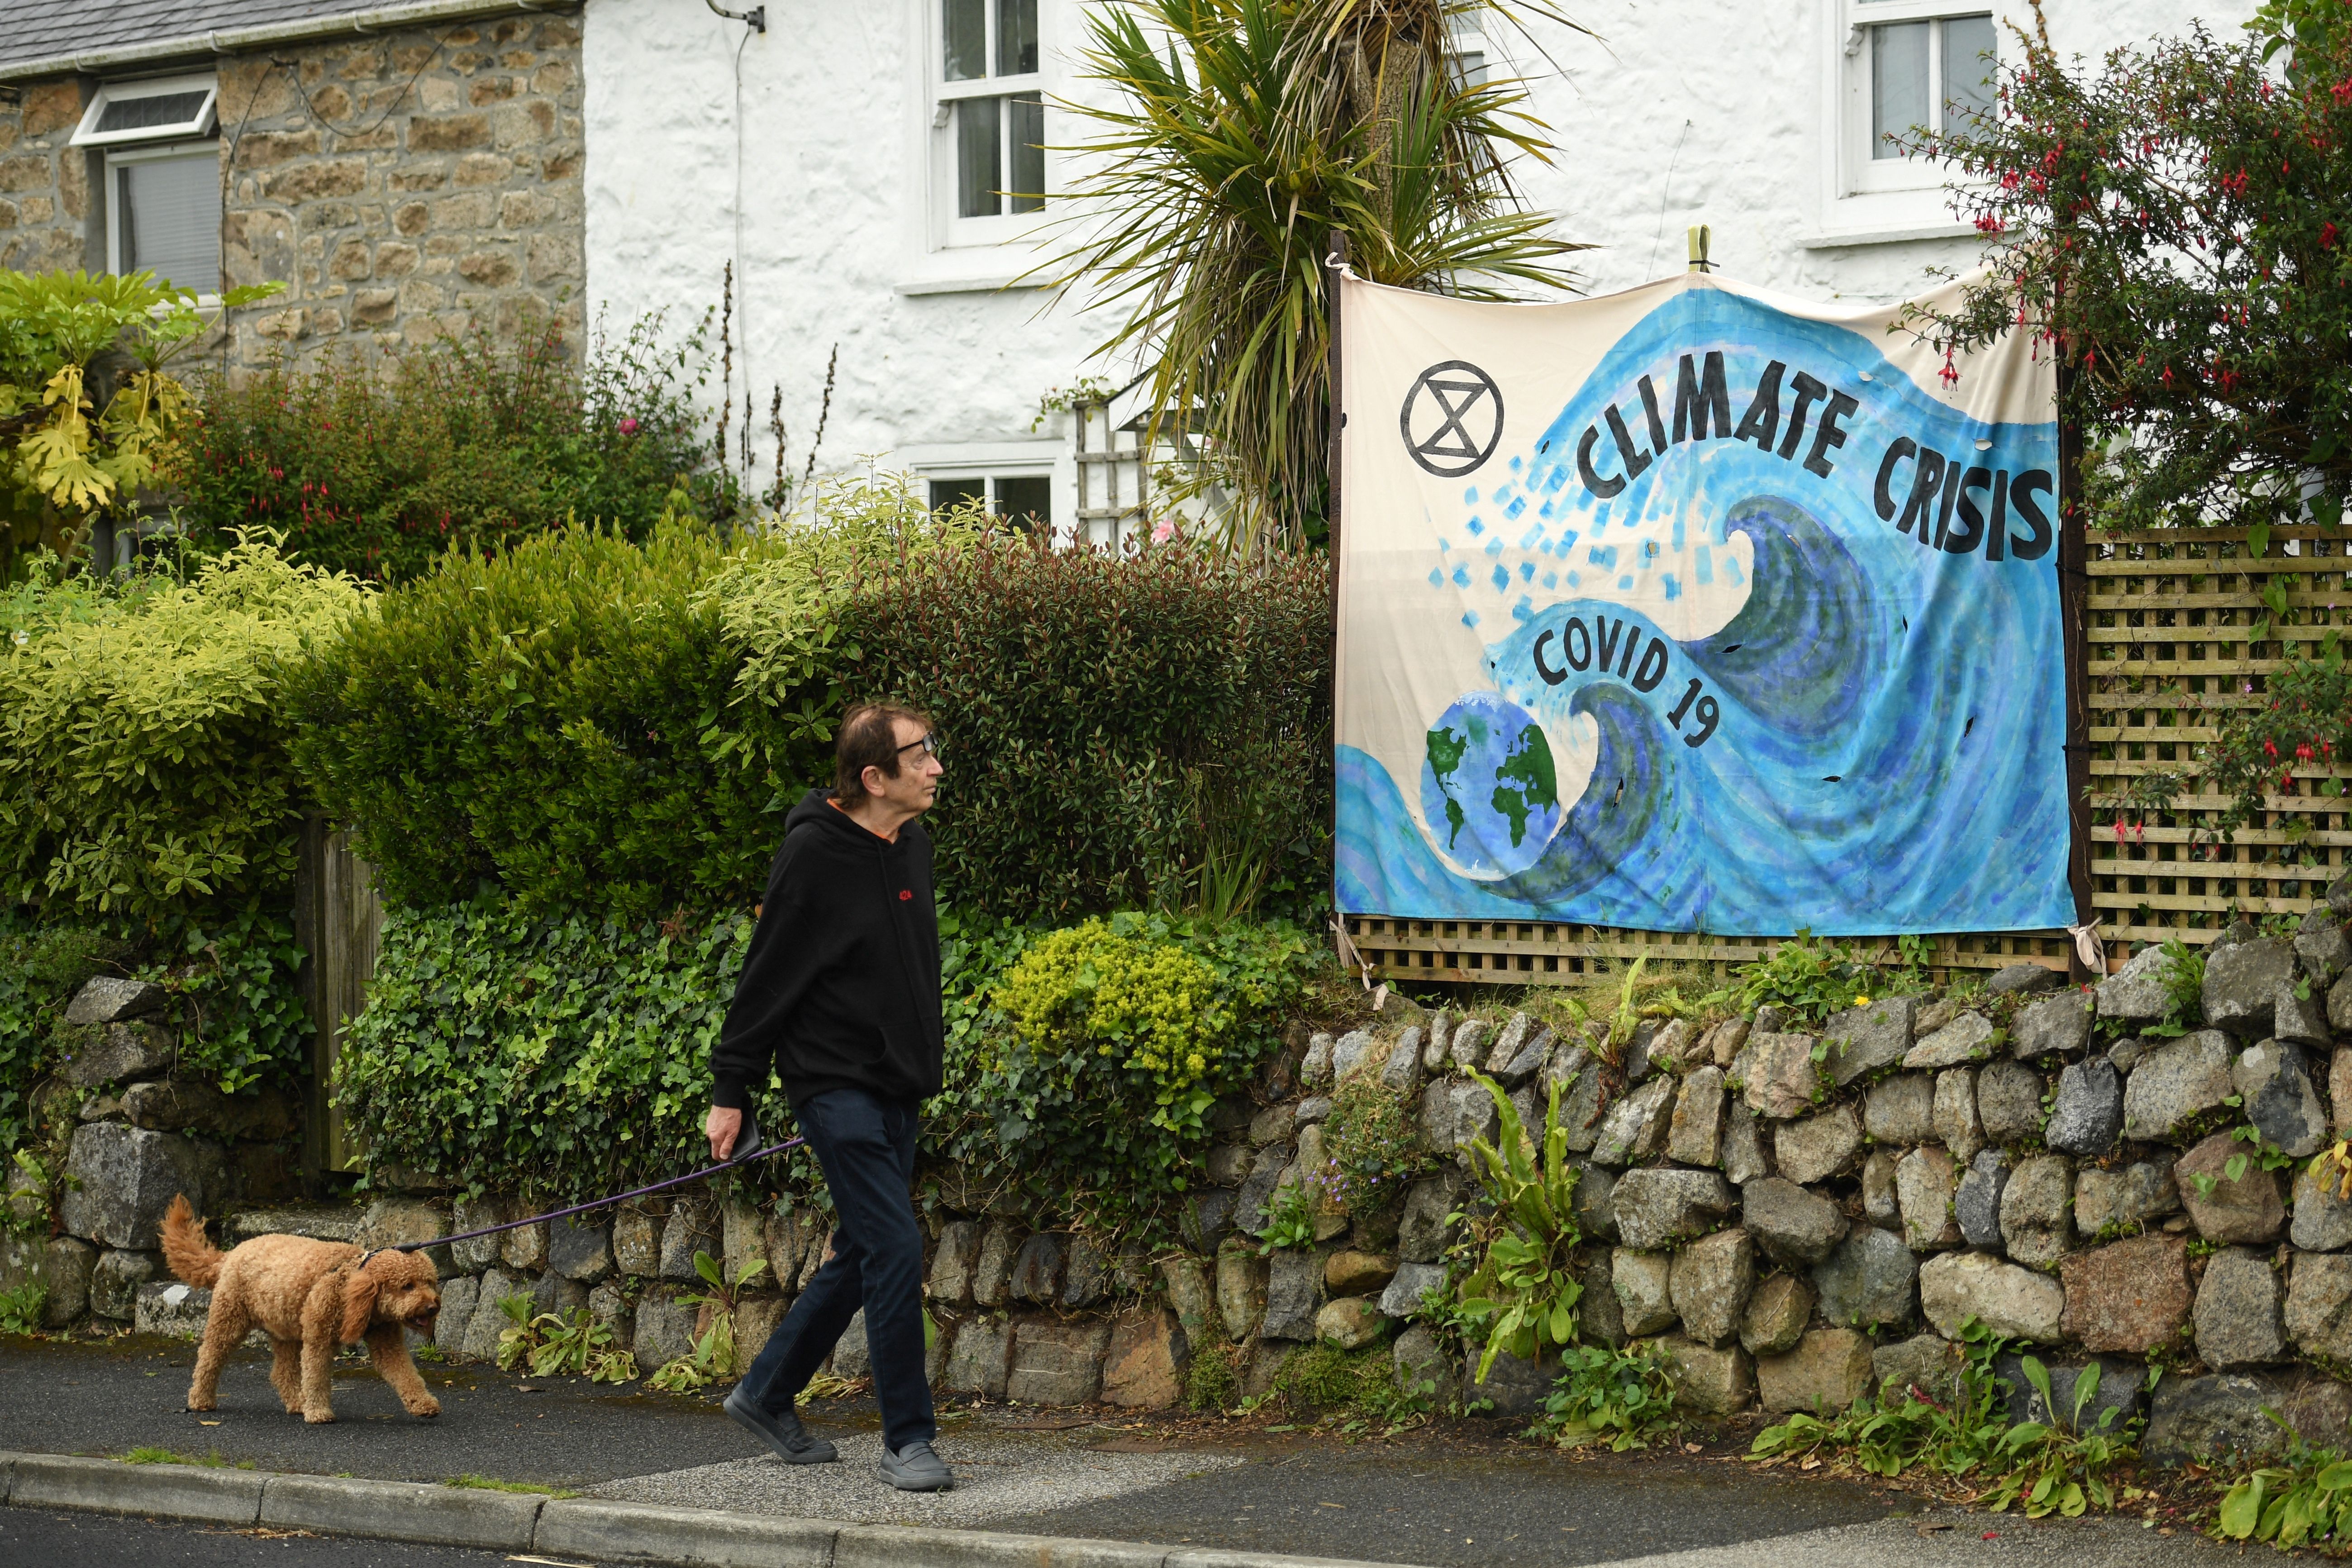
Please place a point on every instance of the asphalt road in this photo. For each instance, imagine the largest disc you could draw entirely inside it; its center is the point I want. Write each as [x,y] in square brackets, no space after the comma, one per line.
[1453,1498]
[30,1536]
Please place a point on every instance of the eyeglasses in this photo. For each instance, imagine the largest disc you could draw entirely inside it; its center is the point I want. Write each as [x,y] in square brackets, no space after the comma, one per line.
[930,743]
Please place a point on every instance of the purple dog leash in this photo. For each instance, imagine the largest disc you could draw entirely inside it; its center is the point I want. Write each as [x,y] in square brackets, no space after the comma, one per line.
[749,1132]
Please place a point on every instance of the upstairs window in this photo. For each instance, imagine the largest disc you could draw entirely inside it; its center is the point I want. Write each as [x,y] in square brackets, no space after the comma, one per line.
[990,116]
[162,195]
[1910,65]
[1936,74]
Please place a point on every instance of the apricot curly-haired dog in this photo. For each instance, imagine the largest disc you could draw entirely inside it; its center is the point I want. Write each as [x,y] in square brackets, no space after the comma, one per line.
[310,1297]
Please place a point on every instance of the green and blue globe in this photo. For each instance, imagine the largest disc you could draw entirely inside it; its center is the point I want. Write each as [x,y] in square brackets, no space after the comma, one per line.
[1487,786]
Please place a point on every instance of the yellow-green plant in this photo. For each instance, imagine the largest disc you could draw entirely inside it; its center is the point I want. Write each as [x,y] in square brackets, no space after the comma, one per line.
[144,752]
[86,411]
[1524,1290]
[1153,1006]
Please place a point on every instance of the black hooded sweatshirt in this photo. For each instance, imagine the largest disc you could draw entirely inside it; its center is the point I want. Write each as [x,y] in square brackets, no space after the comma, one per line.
[841,986]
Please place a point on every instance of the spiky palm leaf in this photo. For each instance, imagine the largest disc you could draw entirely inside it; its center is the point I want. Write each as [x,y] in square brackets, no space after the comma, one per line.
[1243,134]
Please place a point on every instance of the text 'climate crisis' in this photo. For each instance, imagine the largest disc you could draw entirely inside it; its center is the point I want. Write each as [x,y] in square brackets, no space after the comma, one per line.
[1945,502]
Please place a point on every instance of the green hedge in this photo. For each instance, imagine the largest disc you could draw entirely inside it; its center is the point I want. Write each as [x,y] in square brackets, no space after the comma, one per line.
[563,721]
[587,722]
[1112,726]
[567,1056]
[561,1056]
[144,772]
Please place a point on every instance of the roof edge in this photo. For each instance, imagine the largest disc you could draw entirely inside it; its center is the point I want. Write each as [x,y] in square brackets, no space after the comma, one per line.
[229,41]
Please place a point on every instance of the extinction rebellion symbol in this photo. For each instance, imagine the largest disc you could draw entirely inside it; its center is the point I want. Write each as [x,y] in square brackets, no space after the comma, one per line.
[1451,418]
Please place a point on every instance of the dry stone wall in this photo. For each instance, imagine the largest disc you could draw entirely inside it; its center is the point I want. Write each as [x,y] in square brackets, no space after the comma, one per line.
[143,1133]
[1797,1216]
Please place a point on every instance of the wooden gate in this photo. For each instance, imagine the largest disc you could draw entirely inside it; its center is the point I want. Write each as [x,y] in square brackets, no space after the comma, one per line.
[337,919]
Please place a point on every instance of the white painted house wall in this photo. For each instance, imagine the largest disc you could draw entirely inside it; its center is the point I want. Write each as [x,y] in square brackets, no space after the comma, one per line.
[1741,115]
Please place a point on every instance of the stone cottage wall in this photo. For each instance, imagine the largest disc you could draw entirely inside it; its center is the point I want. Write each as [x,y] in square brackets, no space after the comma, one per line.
[401,184]
[395,212]
[44,183]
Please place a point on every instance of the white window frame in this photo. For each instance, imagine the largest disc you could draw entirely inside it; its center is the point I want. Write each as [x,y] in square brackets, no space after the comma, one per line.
[989,460]
[203,123]
[949,229]
[1865,200]
[116,158]
[1865,173]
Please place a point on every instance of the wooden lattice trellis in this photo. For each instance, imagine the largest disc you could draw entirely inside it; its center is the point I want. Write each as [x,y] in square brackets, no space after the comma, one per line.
[2165,617]
[2169,615]
[1532,953]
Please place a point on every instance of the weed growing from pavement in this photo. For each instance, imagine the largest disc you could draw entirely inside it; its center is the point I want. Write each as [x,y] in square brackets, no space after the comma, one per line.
[2063,1464]
[1624,1397]
[21,1310]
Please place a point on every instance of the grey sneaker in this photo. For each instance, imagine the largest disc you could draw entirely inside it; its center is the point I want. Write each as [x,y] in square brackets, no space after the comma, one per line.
[784,1433]
[915,1469]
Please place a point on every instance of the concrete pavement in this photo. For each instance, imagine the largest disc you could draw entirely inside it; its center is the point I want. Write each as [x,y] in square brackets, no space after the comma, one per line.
[1058,1481]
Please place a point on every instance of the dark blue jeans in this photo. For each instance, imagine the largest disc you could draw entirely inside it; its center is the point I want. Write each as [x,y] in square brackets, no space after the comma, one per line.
[866,1147]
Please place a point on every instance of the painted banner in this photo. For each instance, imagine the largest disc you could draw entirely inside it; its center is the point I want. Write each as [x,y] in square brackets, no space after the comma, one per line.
[1697,608]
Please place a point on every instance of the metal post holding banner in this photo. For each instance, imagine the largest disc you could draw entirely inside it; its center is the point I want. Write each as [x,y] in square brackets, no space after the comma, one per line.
[2073,598]
[1334,265]
[1335,268]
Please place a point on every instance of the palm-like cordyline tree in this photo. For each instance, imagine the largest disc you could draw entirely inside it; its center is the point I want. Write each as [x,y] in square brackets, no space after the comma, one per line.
[1242,135]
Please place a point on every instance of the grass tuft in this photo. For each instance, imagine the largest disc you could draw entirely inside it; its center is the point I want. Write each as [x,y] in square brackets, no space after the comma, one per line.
[492,1484]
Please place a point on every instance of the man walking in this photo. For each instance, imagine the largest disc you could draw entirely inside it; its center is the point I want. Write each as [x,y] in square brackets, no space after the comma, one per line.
[840,994]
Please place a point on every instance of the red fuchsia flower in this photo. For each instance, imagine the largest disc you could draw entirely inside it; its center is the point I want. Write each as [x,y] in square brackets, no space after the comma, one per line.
[2327,235]
[2270,748]
[277,473]
[2303,754]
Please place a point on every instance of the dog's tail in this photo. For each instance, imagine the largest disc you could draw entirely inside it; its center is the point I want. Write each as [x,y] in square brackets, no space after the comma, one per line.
[191,1257]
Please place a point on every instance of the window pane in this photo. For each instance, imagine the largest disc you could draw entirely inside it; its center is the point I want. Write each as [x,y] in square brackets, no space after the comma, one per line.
[967,39]
[1968,43]
[946,493]
[978,179]
[171,218]
[157,109]
[1027,191]
[1016,37]
[1899,83]
[1027,503]
[1472,64]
